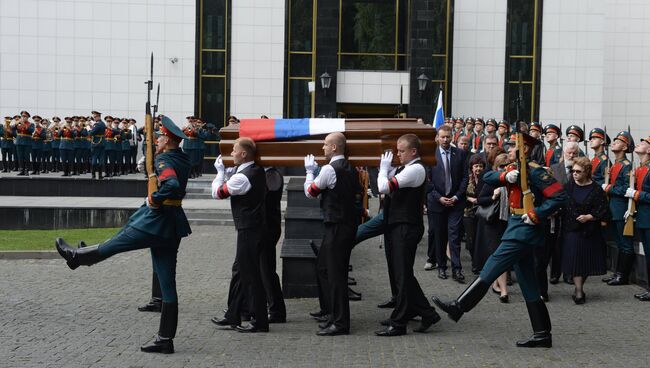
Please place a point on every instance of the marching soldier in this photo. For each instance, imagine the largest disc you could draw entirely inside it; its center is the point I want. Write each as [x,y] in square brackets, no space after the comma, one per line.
[525,232]
[405,190]
[56,141]
[247,191]
[66,147]
[641,195]
[97,134]
[619,183]
[598,140]
[554,152]
[23,132]
[159,224]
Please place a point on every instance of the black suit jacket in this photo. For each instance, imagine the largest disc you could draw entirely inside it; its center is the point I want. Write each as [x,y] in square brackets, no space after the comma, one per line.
[559,172]
[459,177]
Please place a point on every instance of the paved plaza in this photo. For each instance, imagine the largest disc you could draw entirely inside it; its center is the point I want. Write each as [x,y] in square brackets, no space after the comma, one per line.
[54,317]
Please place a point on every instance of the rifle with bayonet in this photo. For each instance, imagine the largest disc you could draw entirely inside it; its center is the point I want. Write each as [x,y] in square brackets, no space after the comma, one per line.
[155,107]
[152,180]
[608,166]
[584,140]
[628,230]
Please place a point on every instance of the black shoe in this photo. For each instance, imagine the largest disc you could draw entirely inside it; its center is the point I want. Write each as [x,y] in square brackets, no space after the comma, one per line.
[159,345]
[323,318]
[504,298]
[458,276]
[645,297]
[608,278]
[385,322]
[351,281]
[538,340]
[391,331]
[277,319]
[427,322]
[544,297]
[442,274]
[224,322]
[390,303]
[320,313]
[353,296]
[579,300]
[324,325]
[251,328]
[332,330]
[451,308]
[554,280]
[638,295]
[618,279]
[476,271]
[154,305]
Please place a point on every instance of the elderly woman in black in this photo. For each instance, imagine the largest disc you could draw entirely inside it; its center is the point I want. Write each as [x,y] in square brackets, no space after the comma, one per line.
[583,242]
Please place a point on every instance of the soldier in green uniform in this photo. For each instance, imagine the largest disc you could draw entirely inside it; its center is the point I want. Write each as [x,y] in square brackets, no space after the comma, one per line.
[7,144]
[525,232]
[125,137]
[83,146]
[619,183]
[77,145]
[117,147]
[554,151]
[66,147]
[575,134]
[159,225]
[47,148]
[109,147]
[97,133]
[56,142]
[641,195]
[597,141]
[38,136]
[23,132]
[537,155]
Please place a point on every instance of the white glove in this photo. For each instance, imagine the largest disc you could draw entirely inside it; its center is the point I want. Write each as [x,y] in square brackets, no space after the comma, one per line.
[626,215]
[473,150]
[230,171]
[527,220]
[218,164]
[629,193]
[148,203]
[310,164]
[385,163]
[141,162]
[604,186]
[512,176]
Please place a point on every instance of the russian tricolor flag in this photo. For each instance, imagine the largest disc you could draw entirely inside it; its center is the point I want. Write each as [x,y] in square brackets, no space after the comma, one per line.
[280,129]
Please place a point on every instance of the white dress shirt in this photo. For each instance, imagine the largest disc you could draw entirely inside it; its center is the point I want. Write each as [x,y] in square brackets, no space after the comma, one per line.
[237,184]
[412,176]
[326,179]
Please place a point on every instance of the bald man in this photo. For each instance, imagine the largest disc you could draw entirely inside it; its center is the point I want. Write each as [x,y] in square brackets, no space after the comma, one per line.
[339,190]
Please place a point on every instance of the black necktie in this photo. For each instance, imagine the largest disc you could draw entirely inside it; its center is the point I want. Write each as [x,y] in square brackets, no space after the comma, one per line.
[447,173]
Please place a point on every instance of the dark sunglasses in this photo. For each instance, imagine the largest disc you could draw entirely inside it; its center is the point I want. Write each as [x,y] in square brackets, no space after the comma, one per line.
[577,171]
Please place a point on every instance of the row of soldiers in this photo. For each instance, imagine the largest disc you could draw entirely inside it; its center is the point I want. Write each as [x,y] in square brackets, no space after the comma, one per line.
[77,145]
[622,182]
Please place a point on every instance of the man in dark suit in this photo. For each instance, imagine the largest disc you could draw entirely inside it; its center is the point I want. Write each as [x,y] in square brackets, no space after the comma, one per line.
[446,202]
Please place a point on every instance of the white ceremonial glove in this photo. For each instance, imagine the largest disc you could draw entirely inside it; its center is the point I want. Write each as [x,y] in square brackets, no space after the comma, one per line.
[512,176]
[629,193]
[385,163]
[604,186]
[218,164]
[141,162]
[310,164]
[527,220]
[230,171]
[473,150]
[148,203]
[626,215]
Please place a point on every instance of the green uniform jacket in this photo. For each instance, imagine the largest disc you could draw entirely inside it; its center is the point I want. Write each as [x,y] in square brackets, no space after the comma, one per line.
[549,197]
[97,132]
[620,181]
[166,221]
[23,134]
[598,166]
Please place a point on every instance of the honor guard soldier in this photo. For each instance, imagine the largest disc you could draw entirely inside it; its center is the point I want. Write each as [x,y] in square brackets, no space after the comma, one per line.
[246,189]
[554,151]
[525,231]
[641,195]
[503,132]
[7,144]
[56,141]
[458,130]
[159,224]
[66,147]
[490,127]
[23,132]
[537,155]
[598,140]
[133,141]
[575,134]
[476,140]
[38,137]
[125,138]
[405,190]
[337,185]
[618,205]
[109,146]
[97,133]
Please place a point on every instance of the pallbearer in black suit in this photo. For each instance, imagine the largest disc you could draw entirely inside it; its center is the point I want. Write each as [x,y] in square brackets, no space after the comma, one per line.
[270,279]
[405,193]
[246,189]
[338,186]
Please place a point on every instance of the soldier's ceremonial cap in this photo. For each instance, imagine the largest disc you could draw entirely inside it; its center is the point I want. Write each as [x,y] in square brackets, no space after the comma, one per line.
[626,138]
[535,126]
[25,113]
[599,133]
[576,130]
[552,128]
[170,129]
[95,112]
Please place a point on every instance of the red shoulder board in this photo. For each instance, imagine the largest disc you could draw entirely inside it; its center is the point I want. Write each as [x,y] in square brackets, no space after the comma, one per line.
[640,174]
[615,170]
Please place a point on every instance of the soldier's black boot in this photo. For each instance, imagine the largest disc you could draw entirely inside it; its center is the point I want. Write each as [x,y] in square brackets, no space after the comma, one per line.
[623,268]
[465,302]
[163,342]
[34,168]
[92,173]
[100,170]
[541,323]
[155,303]
[65,170]
[75,257]
[116,169]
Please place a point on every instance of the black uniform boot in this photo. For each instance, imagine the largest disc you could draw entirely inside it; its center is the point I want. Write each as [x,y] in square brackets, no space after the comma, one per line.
[65,170]
[164,341]
[116,169]
[465,302]
[100,170]
[155,303]
[541,322]
[34,168]
[92,172]
[623,268]
[75,257]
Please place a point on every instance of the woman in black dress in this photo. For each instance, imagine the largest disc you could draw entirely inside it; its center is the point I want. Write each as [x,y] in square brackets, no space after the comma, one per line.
[583,241]
[476,167]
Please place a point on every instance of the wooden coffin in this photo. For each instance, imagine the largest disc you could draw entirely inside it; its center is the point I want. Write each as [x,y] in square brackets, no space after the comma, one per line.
[367,139]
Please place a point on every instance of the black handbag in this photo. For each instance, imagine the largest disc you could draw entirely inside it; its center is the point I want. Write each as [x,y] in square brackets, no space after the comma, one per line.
[489,213]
